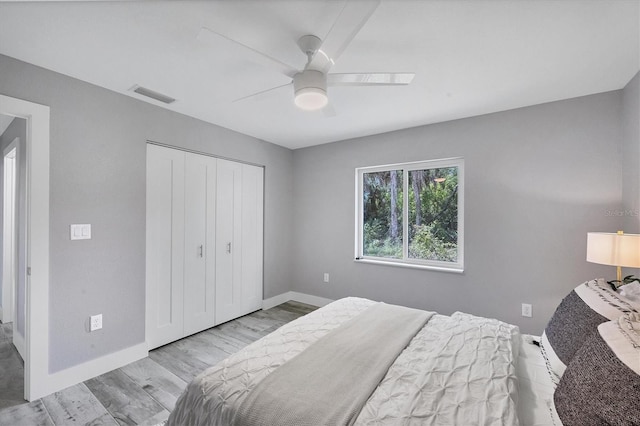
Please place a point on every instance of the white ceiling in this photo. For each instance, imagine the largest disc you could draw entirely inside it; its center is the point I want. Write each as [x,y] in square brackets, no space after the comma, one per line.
[470,57]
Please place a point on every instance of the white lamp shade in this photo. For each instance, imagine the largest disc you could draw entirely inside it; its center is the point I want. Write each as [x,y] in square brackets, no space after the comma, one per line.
[614,249]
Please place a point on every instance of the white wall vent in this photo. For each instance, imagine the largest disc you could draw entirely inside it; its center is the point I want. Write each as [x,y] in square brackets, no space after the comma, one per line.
[152,94]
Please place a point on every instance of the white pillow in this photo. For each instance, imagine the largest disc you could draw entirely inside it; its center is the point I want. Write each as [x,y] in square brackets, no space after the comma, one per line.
[630,291]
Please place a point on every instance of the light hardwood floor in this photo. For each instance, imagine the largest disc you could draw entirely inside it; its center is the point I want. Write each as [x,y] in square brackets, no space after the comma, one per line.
[141,393]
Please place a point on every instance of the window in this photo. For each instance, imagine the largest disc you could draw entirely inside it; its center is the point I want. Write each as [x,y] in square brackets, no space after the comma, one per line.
[411,214]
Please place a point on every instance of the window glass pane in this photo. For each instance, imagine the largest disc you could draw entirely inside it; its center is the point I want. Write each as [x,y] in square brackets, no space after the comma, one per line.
[382,214]
[433,214]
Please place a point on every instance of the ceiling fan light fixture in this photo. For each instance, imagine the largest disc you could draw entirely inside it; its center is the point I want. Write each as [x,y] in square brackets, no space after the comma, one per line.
[311,98]
[310,88]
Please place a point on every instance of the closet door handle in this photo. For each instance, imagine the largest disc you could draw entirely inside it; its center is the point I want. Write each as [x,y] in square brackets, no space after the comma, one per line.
[200,250]
[228,247]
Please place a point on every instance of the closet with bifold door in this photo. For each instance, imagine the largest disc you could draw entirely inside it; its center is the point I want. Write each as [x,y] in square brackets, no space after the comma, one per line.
[204,256]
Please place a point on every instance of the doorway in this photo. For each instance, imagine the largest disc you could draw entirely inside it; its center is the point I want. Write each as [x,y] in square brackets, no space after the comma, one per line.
[8,234]
[37,382]
[13,133]
[14,235]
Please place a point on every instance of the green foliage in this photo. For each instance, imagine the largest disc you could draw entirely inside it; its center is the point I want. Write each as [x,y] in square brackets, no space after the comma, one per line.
[427,245]
[377,208]
[378,244]
[433,214]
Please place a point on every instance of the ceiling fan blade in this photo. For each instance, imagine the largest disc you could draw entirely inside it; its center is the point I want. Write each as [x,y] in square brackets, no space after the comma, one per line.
[207,35]
[352,17]
[263,94]
[370,79]
[328,111]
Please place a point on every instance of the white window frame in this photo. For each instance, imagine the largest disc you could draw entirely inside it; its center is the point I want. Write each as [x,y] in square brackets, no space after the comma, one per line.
[457,266]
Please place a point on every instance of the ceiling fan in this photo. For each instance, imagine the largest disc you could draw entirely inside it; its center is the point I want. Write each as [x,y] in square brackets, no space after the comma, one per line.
[310,83]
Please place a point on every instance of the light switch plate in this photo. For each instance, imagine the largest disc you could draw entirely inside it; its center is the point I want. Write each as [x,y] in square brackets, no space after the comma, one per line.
[80,231]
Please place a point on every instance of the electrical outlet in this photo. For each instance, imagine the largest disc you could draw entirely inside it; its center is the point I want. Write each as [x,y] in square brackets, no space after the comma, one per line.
[527,310]
[326,277]
[96,322]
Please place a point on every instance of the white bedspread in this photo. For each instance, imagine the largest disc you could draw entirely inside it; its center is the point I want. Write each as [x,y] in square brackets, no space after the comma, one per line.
[458,370]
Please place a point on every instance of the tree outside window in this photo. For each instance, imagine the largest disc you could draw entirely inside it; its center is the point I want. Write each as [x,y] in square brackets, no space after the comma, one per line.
[411,213]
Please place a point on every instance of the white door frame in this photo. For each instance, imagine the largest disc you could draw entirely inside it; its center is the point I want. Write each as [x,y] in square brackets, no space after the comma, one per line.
[12,223]
[36,360]
[9,248]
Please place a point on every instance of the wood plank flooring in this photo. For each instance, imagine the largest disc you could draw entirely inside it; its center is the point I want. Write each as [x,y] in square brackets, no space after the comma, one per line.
[11,370]
[143,392]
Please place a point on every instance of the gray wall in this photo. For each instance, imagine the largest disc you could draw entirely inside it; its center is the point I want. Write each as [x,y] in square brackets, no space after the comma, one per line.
[537,180]
[98,142]
[631,160]
[631,156]
[17,129]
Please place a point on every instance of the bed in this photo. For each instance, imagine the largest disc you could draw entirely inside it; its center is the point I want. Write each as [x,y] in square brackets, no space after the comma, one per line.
[455,370]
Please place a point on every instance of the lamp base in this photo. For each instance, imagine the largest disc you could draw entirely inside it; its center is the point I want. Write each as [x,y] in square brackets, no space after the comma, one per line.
[615,284]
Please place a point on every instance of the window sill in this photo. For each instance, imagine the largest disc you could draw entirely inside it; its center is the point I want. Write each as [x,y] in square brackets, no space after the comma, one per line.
[411,265]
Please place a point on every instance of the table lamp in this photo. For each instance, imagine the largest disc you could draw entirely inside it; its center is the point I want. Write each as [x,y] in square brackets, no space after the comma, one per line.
[617,249]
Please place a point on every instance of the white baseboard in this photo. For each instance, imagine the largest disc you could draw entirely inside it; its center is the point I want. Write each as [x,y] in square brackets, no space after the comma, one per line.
[79,373]
[90,369]
[295,296]
[310,299]
[276,300]
[18,342]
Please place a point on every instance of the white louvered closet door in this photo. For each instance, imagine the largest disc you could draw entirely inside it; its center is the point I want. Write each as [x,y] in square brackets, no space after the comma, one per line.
[228,242]
[252,237]
[199,243]
[239,240]
[165,246]
[204,242]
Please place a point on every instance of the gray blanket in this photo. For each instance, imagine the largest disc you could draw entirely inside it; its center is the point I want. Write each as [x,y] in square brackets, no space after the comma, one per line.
[329,382]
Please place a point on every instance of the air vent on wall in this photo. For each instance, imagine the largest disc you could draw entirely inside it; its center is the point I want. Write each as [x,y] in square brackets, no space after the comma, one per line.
[152,94]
